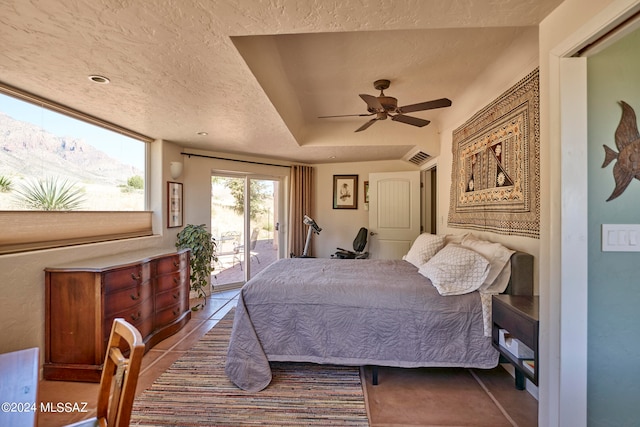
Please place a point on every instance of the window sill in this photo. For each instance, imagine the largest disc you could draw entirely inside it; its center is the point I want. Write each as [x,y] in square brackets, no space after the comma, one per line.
[35,230]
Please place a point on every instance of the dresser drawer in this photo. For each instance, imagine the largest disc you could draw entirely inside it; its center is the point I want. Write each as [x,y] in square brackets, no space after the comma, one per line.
[127,277]
[127,298]
[168,315]
[168,282]
[134,315]
[168,298]
[144,326]
[171,264]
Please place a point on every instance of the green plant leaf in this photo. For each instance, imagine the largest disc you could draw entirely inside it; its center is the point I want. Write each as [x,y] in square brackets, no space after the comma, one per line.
[50,194]
[203,246]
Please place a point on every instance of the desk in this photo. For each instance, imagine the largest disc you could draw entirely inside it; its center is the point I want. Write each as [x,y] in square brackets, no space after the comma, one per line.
[19,387]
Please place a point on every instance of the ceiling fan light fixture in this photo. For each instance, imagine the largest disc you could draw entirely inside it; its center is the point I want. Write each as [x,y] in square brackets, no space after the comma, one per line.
[389,103]
[387,106]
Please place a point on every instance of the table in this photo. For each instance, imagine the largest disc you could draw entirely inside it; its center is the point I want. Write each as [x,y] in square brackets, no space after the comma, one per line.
[518,314]
[19,387]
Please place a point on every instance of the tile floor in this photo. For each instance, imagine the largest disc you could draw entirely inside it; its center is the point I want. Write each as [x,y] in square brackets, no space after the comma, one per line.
[156,361]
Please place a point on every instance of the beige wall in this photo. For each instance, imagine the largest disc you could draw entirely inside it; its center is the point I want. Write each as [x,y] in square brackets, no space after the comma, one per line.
[518,61]
[340,226]
[197,181]
[22,275]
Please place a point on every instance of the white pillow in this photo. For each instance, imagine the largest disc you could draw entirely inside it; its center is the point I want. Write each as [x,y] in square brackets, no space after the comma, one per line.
[456,270]
[500,259]
[424,247]
[454,238]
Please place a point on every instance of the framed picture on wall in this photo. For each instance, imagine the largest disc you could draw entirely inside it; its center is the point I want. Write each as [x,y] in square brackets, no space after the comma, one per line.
[174,205]
[366,191]
[345,191]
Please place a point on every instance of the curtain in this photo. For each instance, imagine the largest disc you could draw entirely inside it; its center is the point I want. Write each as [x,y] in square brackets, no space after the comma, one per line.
[301,204]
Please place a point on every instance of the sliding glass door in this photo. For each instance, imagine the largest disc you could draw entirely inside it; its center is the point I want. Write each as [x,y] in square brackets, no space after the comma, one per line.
[245,220]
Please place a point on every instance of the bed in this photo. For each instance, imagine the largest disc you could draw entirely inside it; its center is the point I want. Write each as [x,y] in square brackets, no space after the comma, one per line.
[360,312]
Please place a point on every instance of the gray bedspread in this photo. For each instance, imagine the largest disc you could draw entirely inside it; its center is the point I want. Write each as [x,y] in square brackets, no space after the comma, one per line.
[351,312]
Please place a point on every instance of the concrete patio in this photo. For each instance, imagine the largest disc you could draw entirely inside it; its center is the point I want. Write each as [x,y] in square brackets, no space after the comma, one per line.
[230,266]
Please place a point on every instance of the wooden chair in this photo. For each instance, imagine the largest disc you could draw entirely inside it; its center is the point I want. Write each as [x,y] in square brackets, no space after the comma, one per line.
[119,378]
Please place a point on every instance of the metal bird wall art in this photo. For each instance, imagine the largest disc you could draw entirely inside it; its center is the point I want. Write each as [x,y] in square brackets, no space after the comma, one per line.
[627,138]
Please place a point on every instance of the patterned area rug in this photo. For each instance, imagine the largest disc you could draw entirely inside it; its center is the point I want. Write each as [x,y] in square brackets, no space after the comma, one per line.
[195,391]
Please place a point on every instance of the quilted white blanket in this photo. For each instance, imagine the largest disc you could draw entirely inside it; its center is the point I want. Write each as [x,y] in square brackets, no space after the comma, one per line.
[351,312]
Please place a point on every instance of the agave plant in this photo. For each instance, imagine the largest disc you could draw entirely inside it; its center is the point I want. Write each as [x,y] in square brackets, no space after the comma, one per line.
[50,194]
[5,184]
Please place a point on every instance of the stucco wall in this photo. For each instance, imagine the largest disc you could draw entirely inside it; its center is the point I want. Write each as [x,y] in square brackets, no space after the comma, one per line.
[22,275]
[340,226]
[518,61]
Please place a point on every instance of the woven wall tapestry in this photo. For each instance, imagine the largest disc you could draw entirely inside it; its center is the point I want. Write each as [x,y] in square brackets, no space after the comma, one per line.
[495,178]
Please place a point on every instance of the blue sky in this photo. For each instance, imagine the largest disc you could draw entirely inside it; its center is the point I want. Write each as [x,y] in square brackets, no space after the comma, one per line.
[122,148]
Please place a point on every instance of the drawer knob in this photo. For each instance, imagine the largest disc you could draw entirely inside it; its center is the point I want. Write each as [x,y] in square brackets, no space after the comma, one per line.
[176,264]
[175,312]
[176,280]
[136,278]
[136,317]
[135,296]
[176,296]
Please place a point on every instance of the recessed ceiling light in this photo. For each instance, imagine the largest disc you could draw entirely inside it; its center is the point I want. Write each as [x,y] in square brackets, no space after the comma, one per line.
[332,157]
[202,133]
[99,79]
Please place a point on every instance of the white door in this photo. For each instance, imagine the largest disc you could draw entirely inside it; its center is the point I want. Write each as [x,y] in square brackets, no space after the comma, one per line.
[394,213]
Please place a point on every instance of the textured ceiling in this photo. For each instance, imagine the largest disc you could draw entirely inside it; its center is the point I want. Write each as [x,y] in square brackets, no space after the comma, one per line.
[255,74]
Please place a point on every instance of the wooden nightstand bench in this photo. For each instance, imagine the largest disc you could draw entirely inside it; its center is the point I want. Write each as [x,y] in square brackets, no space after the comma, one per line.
[518,314]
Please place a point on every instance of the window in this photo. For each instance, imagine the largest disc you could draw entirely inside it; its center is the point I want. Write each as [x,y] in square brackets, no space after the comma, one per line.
[51,161]
[67,178]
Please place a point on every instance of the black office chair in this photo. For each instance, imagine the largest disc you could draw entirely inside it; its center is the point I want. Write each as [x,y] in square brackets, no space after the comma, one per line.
[358,246]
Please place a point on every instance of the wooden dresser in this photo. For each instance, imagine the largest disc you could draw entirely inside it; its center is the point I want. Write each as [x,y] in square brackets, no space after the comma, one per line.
[148,288]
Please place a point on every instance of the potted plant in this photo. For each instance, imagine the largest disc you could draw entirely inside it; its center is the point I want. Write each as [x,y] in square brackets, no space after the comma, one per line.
[203,247]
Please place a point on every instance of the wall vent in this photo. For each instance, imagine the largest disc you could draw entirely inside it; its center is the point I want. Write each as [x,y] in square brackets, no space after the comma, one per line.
[418,158]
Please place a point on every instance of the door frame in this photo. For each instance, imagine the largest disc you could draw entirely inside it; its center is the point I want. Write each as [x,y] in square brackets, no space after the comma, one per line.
[282,213]
[563,302]
[429,198]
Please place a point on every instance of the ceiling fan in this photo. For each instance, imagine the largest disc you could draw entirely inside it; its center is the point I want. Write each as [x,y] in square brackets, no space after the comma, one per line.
[387,106]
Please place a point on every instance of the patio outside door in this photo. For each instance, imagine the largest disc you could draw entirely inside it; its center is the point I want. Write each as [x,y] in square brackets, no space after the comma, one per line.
[245,228]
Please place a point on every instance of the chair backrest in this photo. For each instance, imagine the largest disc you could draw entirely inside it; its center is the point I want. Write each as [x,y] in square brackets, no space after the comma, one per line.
[361,240]
[120,375]
[228,239]
[254,238]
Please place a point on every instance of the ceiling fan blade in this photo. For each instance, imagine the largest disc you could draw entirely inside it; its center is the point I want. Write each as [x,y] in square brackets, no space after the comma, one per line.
[410,120]
[429,105]
[372,102]
[346,115]
[366,125]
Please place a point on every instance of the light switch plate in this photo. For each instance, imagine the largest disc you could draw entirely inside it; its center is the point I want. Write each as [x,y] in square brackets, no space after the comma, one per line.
[621,237]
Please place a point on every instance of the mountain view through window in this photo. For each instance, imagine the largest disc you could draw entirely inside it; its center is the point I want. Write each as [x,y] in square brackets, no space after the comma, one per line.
[50,161]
